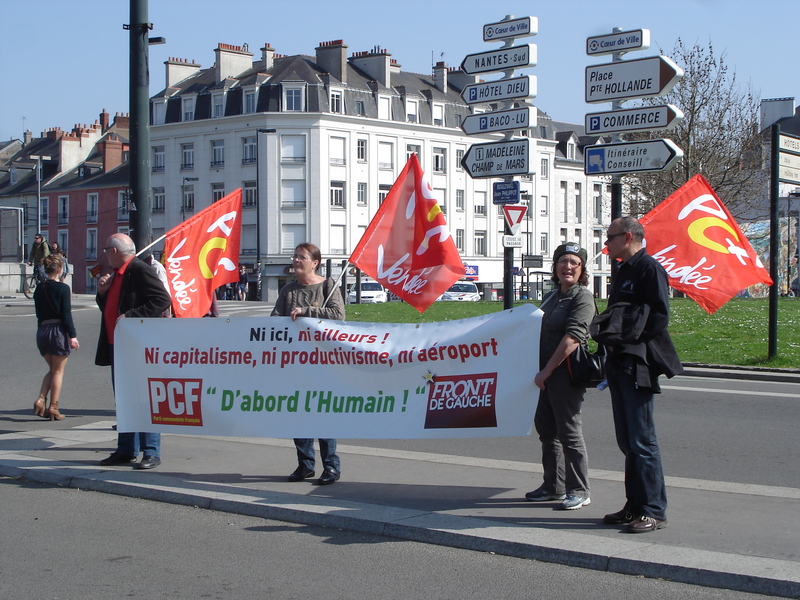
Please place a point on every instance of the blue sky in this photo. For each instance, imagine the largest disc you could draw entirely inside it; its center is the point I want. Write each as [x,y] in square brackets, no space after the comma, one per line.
[66,60]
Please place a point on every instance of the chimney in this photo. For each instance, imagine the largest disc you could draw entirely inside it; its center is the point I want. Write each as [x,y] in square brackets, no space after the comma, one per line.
[27,137]
[440,76]
[104,120]
[376,64]
[112,152]
[775,109]
[332,57]
[231,61]
[267,56]
[179,69]
[459,79]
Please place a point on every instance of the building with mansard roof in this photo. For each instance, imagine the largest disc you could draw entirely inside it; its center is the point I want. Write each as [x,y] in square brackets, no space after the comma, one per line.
[316,142]
[333,131]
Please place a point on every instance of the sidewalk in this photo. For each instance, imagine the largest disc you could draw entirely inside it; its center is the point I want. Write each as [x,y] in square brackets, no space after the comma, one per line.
[720,534]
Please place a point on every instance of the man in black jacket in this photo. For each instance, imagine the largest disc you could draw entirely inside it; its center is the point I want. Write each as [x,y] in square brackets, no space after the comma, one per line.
[632,368]
[133,290]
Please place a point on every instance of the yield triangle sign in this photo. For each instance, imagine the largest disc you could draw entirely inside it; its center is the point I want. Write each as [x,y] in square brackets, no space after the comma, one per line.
[514,215]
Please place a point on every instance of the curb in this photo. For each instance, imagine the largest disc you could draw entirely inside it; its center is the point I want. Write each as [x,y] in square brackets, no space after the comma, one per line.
[628,557]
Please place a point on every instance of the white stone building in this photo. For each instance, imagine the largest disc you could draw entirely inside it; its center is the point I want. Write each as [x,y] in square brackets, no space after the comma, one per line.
[317,141]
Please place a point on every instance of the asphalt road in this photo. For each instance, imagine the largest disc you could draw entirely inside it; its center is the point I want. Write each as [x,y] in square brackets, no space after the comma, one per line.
[78,545]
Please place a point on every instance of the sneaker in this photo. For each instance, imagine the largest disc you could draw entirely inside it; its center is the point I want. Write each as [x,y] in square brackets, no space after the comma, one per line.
[574,502]
[541,495]
[644,524]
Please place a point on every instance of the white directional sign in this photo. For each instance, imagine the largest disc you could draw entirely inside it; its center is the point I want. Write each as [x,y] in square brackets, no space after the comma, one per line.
[624,41]
[631,157]
[789,143]
[641,78]
[633,119]
[500,120]
[514,57]
[498,159]
[789,159]
[503,89]
[497,32]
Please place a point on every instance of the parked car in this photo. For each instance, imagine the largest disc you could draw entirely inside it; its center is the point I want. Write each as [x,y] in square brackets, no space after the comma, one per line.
[463,291]
[372,292]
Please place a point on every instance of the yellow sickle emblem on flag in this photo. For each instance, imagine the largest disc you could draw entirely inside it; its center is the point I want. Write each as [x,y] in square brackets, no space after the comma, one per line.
[210,245]
[697,232]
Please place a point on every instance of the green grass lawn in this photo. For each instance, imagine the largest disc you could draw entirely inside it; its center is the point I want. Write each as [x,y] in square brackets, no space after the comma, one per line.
[737,334]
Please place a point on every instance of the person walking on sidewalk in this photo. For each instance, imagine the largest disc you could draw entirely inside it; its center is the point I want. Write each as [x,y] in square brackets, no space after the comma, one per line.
[306,298]
[568,310]
[133,290]
[633,364]
[55,337]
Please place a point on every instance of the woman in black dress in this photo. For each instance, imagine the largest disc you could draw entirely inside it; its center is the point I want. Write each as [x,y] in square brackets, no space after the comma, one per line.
[56,336]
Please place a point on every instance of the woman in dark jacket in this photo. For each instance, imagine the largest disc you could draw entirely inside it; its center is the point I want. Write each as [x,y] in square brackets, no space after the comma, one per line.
[55,337]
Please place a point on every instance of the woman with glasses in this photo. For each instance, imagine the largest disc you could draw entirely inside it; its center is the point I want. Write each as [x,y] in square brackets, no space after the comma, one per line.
[312,295]
[568,310]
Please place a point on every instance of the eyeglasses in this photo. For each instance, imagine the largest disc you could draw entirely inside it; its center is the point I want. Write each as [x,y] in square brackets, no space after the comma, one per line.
[611,236]
[300,257]
[109,248]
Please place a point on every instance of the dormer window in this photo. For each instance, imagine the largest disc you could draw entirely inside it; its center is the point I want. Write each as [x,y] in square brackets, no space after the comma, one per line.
[293,99]
[218,101]
[249,101]
[411,111]
[336,102]
[188,109]
[570,151]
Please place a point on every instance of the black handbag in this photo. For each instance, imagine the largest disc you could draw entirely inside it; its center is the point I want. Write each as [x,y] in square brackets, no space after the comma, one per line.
[587,369]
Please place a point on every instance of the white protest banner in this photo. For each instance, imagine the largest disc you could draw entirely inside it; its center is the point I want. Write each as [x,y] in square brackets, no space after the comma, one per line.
[274,377]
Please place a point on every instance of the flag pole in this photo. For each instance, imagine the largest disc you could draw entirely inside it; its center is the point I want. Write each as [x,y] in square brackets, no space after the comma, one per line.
[335,284]
[150,245]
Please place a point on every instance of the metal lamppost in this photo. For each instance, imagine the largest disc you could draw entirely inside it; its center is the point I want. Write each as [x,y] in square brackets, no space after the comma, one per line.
[39,159]
[258,213]
[183,196]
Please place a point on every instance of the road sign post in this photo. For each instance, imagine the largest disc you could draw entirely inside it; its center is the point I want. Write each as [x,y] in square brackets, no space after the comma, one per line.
[513,57]
[647,118]
[500,120]
[641,78]
[631,157]
[498,159]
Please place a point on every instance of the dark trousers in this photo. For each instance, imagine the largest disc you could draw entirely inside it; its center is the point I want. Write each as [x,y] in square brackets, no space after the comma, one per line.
[559,425]
[327,450]
[635,428]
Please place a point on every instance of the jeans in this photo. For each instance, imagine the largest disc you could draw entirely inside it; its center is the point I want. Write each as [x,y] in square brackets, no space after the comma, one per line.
[129,444]
[327,450]
[645,490]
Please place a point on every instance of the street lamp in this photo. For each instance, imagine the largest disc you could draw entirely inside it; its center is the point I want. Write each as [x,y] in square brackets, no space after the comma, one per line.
[183,196]
[39,159]
[258,213]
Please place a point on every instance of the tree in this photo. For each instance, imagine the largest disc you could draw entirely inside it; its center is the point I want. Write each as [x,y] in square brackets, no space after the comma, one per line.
[719,136]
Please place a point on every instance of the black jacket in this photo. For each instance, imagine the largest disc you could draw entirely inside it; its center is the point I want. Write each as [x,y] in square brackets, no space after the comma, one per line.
[142,295]
[642,280]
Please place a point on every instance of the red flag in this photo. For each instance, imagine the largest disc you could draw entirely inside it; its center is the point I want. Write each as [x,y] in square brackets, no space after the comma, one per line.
[202,253]
[407,246]
[697,241]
